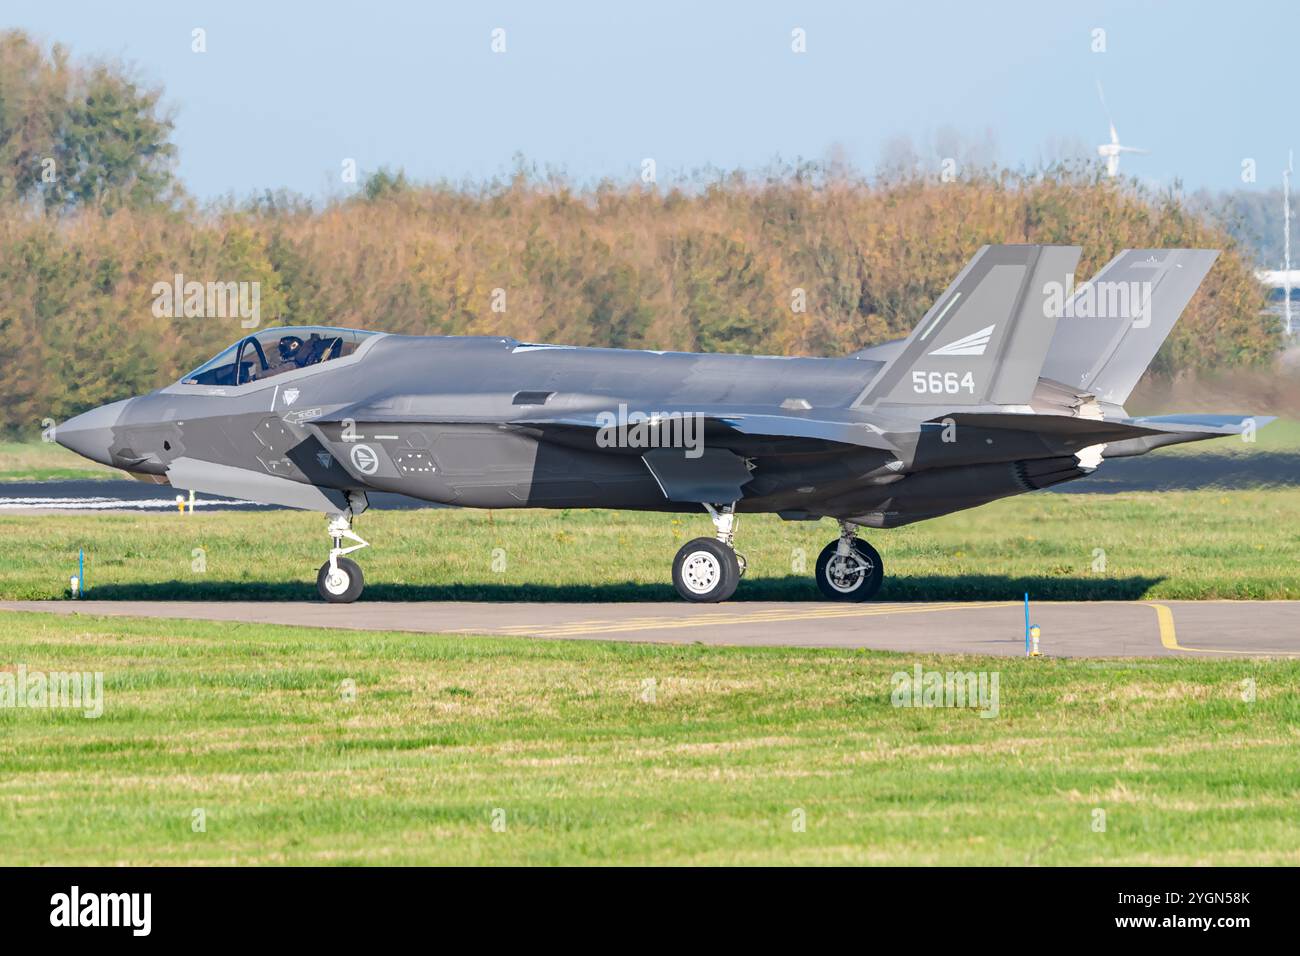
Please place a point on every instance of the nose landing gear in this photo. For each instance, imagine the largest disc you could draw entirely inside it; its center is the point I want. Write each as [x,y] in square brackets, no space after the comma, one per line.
[339,580]
[849,569]
[708,570]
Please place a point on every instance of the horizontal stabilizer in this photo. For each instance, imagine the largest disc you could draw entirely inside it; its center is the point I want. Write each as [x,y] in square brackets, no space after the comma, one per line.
[1207,424]
[1121,436]
[1095,431]
[1176,429]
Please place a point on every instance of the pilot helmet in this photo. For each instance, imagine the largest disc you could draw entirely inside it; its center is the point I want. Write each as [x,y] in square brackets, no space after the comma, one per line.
[290,345]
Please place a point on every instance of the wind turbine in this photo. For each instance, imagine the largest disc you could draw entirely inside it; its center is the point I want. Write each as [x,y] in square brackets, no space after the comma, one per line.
[1110,151]
[1286,241]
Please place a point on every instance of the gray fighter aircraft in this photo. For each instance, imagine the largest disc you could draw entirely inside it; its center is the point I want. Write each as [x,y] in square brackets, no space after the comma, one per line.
[1015,380]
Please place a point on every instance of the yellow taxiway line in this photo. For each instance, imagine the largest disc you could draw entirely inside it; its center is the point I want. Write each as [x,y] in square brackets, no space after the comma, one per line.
[775,615]
[1169,637]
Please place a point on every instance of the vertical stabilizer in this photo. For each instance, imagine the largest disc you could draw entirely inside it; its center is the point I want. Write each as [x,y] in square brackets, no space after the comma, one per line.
[1113,325]
[985,339]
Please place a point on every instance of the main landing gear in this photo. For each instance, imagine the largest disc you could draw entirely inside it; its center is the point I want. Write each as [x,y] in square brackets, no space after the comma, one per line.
[849,569]
[339,580]
[707,570]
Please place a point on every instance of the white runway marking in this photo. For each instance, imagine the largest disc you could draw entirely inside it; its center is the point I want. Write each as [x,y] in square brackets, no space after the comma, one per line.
[111,504]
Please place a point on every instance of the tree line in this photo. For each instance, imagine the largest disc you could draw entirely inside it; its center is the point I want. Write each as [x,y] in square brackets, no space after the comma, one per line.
[804,262]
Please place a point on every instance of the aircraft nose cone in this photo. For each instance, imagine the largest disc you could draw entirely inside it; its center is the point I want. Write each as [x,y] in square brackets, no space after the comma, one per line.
[90,434]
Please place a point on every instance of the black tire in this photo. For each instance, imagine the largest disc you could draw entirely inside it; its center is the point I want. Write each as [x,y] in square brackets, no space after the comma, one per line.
[706,571]
[343,588]
[859,583]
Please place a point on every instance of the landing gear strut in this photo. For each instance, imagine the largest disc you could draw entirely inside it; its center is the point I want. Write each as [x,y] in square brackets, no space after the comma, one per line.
[707,570]
[339,580]
[849,569]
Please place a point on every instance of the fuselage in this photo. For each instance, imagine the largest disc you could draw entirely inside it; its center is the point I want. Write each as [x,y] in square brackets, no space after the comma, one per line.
[494,423]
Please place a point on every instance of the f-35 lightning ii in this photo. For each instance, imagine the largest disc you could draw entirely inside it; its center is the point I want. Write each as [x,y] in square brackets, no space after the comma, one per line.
[1014,380]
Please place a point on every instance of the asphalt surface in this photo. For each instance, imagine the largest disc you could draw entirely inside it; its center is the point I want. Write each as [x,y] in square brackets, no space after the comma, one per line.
[1195,629]
[1069,629]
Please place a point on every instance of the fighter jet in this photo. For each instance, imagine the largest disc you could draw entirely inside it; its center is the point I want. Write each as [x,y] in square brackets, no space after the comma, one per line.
[1014,380]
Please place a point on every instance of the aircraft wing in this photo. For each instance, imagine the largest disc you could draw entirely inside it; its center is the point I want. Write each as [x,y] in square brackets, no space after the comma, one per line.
[712,465]
[835,426]
[834,430]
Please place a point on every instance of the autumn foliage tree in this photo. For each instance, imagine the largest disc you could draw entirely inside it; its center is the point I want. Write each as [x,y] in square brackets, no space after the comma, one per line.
[781,267]
[79,135]
[797,262]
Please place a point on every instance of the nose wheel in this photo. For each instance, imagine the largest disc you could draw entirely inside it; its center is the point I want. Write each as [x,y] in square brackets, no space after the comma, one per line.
[339,580]
[849,569]
[708,570]
[342,583]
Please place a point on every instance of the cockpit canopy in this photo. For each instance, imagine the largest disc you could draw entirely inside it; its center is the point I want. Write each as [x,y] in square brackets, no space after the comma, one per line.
[273,351]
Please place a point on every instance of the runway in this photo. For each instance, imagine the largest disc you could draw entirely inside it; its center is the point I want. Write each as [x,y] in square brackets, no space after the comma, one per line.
[1193,629]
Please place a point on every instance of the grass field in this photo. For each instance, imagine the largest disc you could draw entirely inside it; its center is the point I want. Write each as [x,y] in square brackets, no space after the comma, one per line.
[305,746]
[565,748]
[45,461]
[1192,544]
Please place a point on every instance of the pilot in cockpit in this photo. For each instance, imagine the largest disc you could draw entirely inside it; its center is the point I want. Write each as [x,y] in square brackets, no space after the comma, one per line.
[291,351]
[295,353]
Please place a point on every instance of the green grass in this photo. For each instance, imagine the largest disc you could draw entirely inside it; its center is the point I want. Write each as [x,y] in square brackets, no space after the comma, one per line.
[46,461]
[1191,544]
[250,724]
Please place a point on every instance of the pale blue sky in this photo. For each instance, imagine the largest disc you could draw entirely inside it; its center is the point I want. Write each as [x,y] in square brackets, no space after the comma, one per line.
[287,90]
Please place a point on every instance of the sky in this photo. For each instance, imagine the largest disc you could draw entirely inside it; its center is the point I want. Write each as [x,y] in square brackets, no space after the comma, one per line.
[287,91]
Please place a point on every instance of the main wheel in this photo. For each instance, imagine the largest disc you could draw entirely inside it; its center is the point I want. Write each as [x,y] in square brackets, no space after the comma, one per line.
[705,571]
[343,584]
[856,576]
